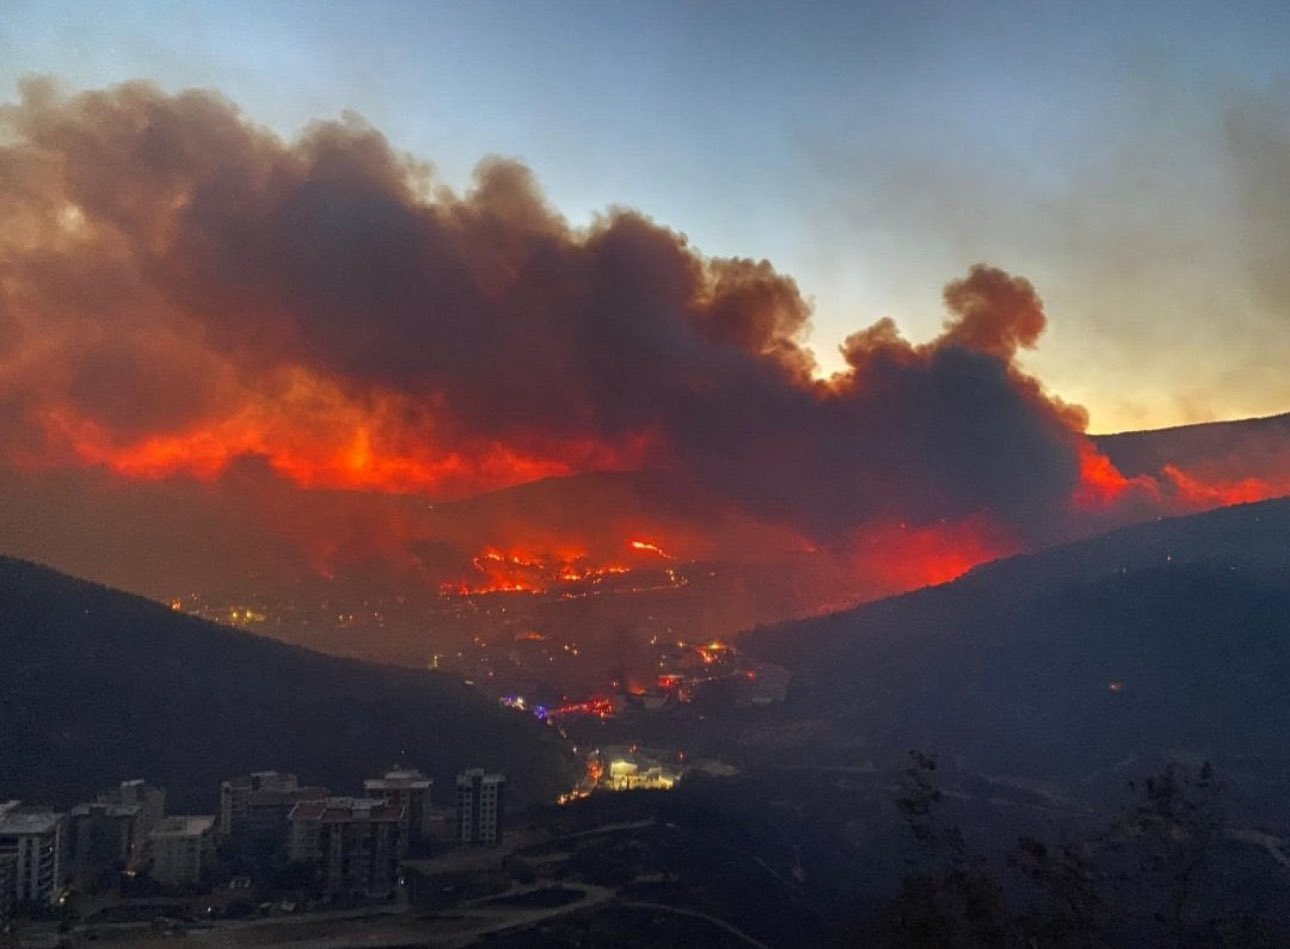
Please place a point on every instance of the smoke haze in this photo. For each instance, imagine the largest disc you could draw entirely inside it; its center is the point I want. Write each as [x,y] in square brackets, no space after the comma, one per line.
[218,346]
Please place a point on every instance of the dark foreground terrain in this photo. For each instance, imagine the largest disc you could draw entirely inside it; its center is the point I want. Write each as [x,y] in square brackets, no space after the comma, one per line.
[1072,669]
[97,686]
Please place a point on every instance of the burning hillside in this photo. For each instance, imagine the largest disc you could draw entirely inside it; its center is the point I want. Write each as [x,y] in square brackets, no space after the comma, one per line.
[312,358]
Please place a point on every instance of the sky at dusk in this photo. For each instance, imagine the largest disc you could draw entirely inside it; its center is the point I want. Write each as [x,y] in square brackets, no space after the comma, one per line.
[1130,160]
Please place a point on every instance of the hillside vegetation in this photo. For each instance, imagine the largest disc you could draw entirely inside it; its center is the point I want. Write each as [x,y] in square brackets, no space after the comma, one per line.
[97,685]
[1075,666]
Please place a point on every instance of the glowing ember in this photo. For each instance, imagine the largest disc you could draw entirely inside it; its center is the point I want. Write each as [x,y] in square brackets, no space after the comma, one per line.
[651,548]
[598,707]
[528,572]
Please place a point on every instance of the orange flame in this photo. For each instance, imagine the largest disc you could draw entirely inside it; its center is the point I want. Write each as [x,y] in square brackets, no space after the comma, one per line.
[1201,493]
[1102,486]
[525,572]
[317,436]
[645,545]
[897,557]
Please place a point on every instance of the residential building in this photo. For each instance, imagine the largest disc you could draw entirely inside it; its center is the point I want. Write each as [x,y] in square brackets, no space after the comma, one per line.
[182,848]
[35,837]
[235,796]
[104,839]
[8,885]
[263,835]
[479,807]
[354,843]
[137,793]
[409,789]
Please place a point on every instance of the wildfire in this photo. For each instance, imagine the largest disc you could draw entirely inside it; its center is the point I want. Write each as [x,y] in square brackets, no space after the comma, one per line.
[1100,483]
[598,707]
[315,435]
[312,307]
[902,558]
[1218,492]
[527,572]
[645,545]
[1102,486]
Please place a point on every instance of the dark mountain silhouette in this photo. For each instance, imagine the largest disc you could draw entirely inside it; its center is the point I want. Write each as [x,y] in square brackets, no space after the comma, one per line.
[98,685]
[1255,447]
[1071,666]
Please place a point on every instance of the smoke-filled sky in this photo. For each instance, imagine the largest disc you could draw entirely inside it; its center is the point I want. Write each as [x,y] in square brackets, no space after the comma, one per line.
[1129,159]
[281,286]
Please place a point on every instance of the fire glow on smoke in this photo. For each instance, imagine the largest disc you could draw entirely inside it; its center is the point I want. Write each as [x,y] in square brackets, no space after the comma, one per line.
[303,328]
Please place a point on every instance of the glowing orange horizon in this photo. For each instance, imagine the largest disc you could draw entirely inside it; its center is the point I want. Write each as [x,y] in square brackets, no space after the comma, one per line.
[1176,490]
[318,438]
[315,436]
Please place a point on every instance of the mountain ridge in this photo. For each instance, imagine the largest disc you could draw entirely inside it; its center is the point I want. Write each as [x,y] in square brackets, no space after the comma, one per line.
[1170,639]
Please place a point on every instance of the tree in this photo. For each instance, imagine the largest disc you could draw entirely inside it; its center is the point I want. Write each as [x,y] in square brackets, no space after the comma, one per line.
[1168,834]
[958,900]
[953,900]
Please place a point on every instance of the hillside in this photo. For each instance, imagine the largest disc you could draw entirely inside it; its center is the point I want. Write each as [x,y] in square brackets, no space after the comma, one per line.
[1255,447]
[97,685]
[1072,666]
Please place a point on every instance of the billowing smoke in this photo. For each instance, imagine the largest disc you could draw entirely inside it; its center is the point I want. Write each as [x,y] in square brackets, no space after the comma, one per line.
[186,298]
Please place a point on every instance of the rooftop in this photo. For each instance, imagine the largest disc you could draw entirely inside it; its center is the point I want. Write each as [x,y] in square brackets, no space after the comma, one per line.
[339,809]
[256,780]
[107,809]
[19,822]
[184,826]
[276,797]
[397,779]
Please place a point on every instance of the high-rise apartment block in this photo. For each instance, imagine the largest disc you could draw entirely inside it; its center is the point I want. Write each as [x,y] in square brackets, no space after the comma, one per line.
[354,843]
[235,797]
[479,807]
[35,838]
[410,790]
[8,885]
[136,793]
[104,839]
[182,848]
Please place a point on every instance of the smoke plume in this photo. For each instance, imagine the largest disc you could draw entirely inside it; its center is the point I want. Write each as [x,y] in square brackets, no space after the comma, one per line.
[189,301]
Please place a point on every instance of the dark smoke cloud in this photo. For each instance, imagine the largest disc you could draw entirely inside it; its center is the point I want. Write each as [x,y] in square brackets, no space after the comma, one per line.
[168,263]
[229,360]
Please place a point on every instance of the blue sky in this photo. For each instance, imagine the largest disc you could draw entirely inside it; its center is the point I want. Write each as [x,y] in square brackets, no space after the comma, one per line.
[1125,157]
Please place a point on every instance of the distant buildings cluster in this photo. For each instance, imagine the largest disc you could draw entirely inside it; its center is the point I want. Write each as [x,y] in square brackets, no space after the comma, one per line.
[42,849]
[352,846]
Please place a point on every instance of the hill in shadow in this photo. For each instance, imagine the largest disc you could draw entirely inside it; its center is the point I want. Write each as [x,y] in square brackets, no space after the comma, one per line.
[98,685]
[1071,666]
[1256,447]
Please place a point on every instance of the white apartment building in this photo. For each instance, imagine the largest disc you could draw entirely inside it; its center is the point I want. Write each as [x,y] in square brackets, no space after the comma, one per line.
[235,796]
[410,790]
[353,842]
[479,807]
[36,839]
[182,847]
